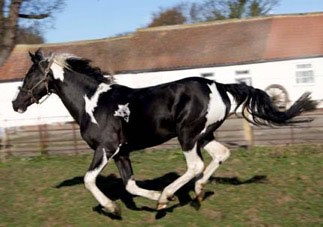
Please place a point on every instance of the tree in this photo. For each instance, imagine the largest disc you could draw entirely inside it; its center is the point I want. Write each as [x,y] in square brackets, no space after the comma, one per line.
[227,9]
[29,35]
[15,14]
[169,16]
[210,10]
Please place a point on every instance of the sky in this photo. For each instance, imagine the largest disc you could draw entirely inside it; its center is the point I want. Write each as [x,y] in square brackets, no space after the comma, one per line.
[97,19]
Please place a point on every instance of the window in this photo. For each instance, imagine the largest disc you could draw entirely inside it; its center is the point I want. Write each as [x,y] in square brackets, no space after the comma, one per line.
[243,77]
[242,72]
[205,75]
[304,74]
[244,80]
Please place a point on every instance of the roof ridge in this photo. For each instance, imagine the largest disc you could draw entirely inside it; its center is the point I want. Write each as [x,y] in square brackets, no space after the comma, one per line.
[171,27]
[269,37]
[226,21]
[74,42]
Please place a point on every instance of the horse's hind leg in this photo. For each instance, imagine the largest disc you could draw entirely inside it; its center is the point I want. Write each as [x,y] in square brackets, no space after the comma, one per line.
[219,154]
[195,167]
[100,160]
[124,165]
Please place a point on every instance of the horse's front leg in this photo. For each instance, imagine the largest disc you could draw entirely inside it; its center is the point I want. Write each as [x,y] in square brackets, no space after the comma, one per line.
[124,165]
[100,159]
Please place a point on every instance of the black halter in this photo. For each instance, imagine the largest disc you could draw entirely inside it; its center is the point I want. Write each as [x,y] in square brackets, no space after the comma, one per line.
[45,80]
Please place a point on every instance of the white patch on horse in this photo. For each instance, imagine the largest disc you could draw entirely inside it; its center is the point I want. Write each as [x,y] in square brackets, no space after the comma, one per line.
[89,181]
[123,111]
[219,154]
[92,103]
[216,109]
[92,174]
[116,152]
[133,188]
[195,166]
[233,103]
[58,71]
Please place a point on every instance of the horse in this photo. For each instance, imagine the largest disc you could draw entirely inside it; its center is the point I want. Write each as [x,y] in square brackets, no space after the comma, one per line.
[115,120]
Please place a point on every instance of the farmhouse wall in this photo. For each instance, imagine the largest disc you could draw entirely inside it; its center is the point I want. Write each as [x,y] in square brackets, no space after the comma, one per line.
[262,51]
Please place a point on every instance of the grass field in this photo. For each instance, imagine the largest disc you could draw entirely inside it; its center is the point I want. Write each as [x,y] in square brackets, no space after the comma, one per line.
[280,186]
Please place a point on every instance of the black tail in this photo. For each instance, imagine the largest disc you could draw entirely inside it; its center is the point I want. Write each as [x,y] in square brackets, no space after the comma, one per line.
[259,105]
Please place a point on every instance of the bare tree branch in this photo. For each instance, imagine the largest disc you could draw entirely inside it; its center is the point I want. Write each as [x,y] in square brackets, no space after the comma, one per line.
[2,3]
[9,33]
[34,16]
[24,18]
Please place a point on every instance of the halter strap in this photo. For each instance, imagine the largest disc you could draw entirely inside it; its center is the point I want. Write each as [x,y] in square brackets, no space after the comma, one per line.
[44,80]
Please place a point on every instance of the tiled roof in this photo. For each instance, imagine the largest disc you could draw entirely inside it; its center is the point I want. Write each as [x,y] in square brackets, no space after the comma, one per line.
[189,46]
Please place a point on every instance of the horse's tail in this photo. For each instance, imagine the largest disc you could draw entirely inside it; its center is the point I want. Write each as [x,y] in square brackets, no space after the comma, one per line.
[261,109]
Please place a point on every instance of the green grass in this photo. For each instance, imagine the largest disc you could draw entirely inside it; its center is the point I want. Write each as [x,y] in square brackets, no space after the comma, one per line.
[280,186]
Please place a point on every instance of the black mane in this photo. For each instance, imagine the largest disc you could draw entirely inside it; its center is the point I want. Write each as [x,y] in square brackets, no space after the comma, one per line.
[83,66]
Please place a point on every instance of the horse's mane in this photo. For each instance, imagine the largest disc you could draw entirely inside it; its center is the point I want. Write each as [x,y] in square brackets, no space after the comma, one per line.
[80,65]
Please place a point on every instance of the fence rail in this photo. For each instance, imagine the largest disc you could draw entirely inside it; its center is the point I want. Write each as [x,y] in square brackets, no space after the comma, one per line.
[66,138]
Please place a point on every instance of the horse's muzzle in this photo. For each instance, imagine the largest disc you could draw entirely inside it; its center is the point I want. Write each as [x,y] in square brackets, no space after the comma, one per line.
[18,108]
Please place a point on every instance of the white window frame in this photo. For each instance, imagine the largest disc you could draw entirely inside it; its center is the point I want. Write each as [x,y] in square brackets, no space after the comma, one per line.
[304,74]
[207,75]
[244,80]
[242,72]
[243,76]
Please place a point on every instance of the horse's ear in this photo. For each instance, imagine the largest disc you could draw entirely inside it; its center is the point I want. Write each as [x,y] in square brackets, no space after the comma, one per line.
[47,63]
[39,56]
[32,56]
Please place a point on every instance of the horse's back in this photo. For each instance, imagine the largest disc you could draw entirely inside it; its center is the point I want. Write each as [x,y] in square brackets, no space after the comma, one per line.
[162,112]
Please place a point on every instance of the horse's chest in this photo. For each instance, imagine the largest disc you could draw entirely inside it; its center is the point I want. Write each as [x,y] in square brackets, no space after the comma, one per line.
[91,134]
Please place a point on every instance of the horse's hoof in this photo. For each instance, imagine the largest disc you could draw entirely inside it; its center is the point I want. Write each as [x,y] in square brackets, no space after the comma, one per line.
[116,211]
[171,198]
[161,206]
[200,197]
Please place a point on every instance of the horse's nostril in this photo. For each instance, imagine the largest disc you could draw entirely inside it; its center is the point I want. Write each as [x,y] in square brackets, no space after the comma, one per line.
[20,110]
[16,107]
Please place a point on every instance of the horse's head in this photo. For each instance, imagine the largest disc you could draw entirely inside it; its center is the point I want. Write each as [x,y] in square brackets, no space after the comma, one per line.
[35,84]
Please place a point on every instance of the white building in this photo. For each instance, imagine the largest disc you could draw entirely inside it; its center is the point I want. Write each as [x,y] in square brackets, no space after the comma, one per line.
[293,77]
[280,54]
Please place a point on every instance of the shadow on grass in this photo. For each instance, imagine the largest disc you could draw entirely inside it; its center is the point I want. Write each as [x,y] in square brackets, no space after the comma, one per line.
[112,186]
[236,181]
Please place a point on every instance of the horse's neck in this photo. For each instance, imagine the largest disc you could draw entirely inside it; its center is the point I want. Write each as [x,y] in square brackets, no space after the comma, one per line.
[72,91]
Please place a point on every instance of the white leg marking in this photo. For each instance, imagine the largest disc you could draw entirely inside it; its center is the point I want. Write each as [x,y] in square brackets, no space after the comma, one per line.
[219,154]
[195,167]
[92,103]
[133,188]
[58,71]
[216,109]
[233,103]
[89,180]
[116,152]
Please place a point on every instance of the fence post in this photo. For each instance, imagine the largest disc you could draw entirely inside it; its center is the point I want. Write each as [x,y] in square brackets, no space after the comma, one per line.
[74,138]
[248,132]
[42,140]
[292,135]
[7,143]
[4,144]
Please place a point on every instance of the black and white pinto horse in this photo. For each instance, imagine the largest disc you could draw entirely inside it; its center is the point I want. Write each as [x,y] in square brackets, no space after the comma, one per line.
[116,120]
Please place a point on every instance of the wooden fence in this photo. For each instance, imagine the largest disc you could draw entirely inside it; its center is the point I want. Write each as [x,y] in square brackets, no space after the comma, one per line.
[66,138]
